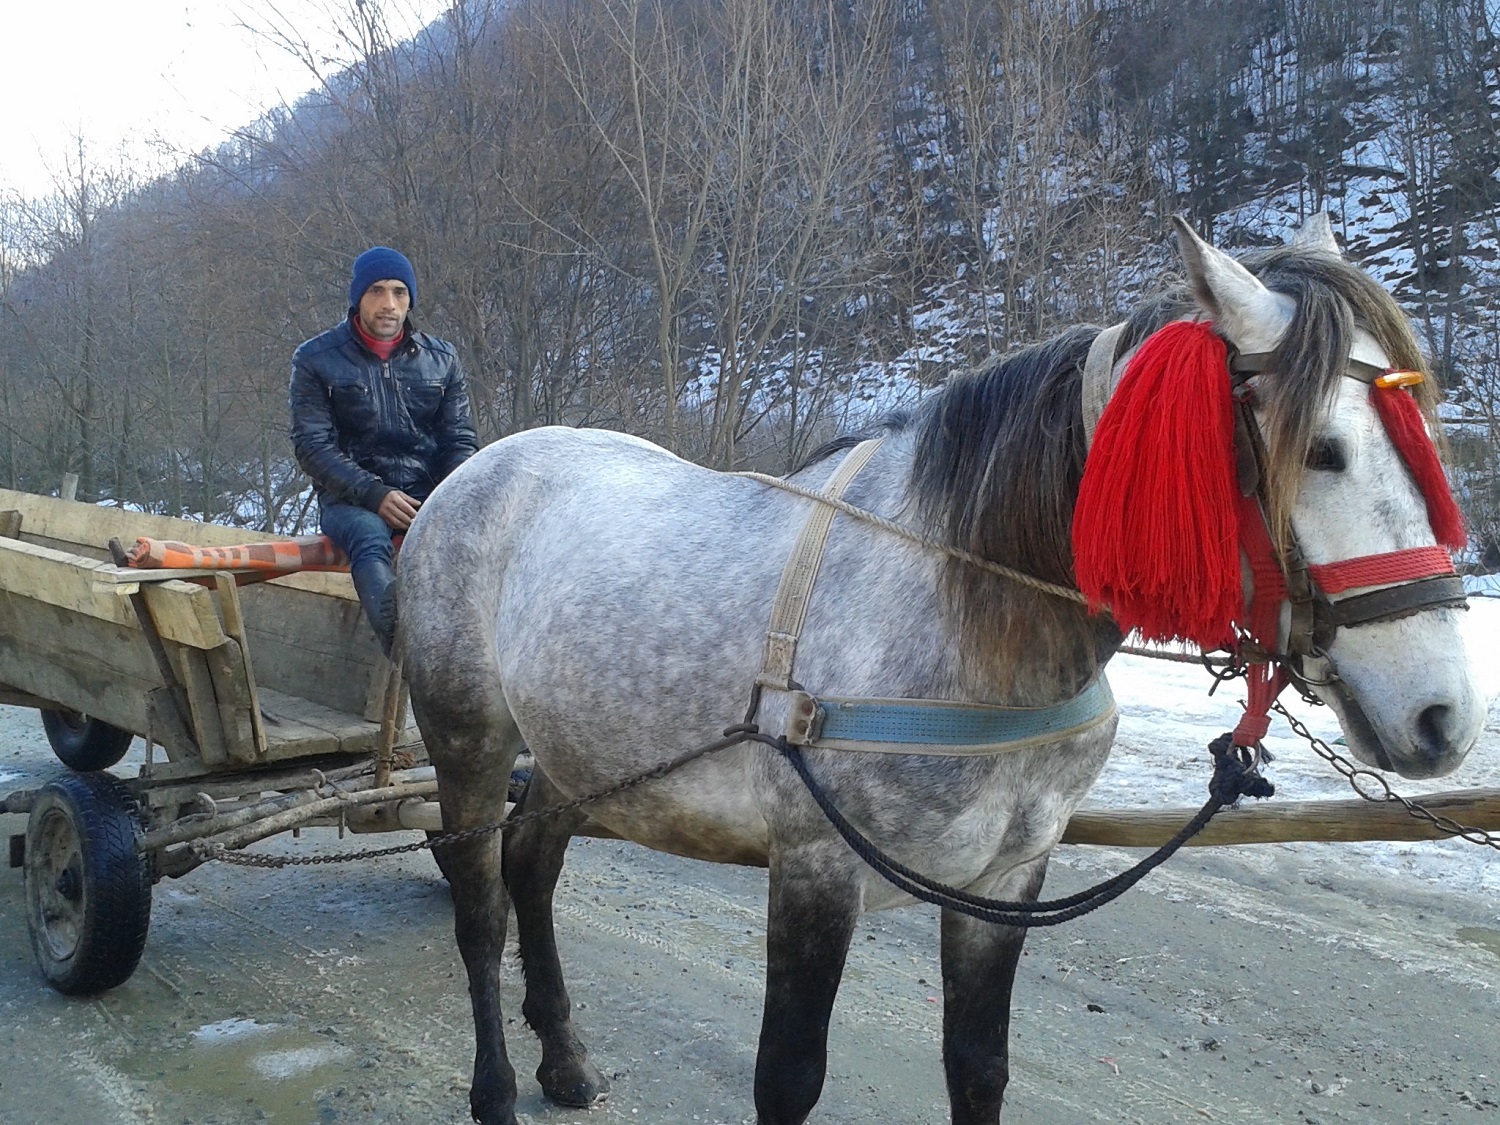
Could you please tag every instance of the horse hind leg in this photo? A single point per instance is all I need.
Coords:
(810, 921)
(532, 861)
(979, 971)
(473, 746)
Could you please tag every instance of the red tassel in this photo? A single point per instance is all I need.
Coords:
(1408, 432)
(1155, 531)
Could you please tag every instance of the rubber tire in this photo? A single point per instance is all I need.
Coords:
(88, 891)
(82, 743)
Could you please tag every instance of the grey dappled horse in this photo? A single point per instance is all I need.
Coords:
(606, 602)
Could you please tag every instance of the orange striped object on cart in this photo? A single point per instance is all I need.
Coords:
(306, 552)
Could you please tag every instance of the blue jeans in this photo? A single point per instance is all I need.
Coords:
(362, 534)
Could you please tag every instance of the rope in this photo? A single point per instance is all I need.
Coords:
(1067, 593)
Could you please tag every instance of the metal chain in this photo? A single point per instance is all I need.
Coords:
(1356, 775)
(1380, 790)
(733, 736)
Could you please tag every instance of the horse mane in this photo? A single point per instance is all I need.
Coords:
(1000, 453)
(999, 456)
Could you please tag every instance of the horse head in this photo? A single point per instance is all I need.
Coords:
(1291, 392)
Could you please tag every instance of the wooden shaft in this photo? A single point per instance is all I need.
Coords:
(1312, 821)
(295, 817)
(290, 808)
(390, 719)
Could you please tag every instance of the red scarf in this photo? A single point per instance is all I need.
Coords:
(383, 349)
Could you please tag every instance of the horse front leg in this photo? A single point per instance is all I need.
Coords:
(533, 860)
(979, 970)
(809, 924)
(473, 774)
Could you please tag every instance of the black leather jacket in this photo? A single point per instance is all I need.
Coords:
(362, 427)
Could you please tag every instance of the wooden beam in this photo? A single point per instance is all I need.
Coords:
(1270, 823)
(13, 697)
(234, 626)
(232, 694)
(69, 582)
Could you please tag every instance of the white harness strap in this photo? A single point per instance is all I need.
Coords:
(1099, 377)
(789, 611)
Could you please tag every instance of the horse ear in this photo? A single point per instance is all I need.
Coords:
(1246, 313)
(1316, 236)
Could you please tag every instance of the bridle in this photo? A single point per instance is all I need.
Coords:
(1413, 580)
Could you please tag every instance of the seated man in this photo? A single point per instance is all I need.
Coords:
(380, 415)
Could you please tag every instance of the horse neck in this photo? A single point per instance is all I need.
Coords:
(996, 463)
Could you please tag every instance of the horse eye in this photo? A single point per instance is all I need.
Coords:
(1326, 455)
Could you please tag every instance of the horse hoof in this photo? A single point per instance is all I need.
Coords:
(492, 1116)
(577, 1087)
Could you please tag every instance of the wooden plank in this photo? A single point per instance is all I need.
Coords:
(11, 697)
(234, 625)
(1330, 821)
(78, 686)
(182, 610)
(83, 663)
(68, 581)
(297, 727)
(203, 706)
(310, 645)
(93, 524)
(231, 684)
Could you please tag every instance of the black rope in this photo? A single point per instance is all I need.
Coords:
(1234, 777)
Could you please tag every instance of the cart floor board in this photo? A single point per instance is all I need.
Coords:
(297, 727)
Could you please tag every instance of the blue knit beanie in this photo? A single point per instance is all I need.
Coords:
(379, 263)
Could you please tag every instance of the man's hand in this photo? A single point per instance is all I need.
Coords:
(398, 509)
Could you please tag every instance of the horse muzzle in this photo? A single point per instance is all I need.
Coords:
(1420, 724)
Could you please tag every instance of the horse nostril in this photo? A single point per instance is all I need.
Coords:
(1434, 733)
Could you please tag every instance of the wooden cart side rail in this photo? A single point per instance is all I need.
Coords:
(184, 613)
(1295, 821)
(63, 523)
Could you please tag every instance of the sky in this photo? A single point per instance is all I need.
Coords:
(152, 82)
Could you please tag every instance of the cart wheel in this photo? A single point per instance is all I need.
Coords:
(88, 891)
(82, 743)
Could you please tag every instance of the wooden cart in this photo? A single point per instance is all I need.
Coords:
(270, 703)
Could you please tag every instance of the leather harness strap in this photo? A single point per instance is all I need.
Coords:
(896, 726)
(789, 611)
(1099, 377)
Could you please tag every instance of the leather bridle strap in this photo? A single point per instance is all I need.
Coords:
(1253, 363)
(1394, 602)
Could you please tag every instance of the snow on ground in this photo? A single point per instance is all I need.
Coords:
(1167, 719)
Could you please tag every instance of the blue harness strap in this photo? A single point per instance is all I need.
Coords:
(926, 726)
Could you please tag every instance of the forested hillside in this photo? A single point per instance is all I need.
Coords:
(732, 225)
